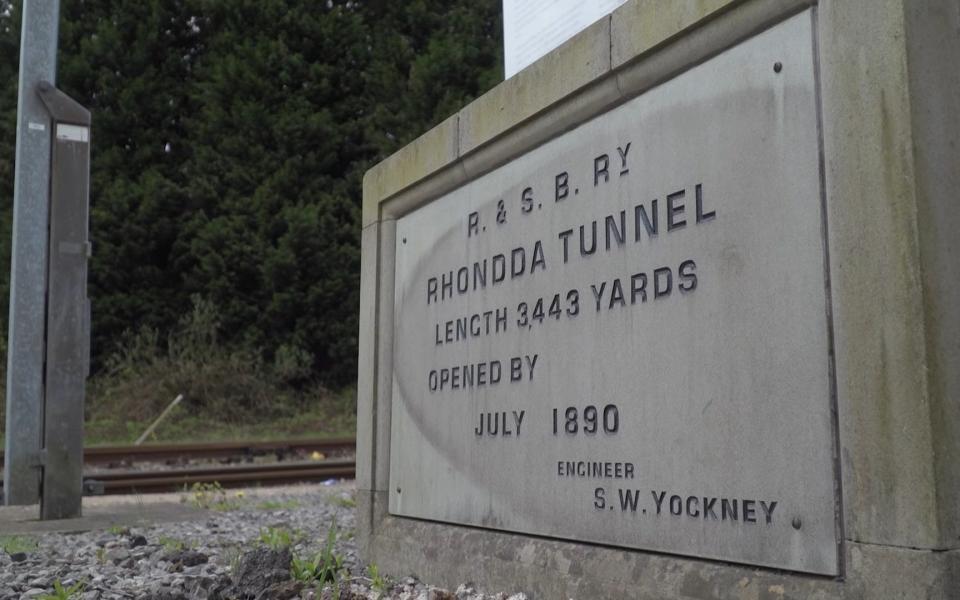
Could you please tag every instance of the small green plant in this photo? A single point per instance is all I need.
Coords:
(377, 581)
(119, 530)
(279, 537)
(278, 505)
(345, 501)
(212, 496)
(62, 593)
(11, 544)
(231, 557)
(324, 567)
(101, 555)
(172, 544)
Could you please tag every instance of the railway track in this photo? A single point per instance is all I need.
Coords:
(108, 467)
(116, 481)
(107, 455)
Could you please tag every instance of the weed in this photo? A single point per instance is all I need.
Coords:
(324, 567)
(173, 544)
(279, 537)
(119, 530)
(231, 556)
(62, 593)
(101, 555)
(278, 504)
(345, 501)
(212, 496)
(11, 544)
(377, 581)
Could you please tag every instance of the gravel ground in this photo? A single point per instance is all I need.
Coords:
(252, 545)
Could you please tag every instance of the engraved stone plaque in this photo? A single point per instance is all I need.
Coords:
(622, 337)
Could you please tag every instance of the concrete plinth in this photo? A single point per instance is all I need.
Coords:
(848, 415)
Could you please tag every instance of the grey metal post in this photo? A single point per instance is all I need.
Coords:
(28, 272)
(68, 310)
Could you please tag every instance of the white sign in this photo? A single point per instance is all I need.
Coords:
(532, 28)
(72, 133)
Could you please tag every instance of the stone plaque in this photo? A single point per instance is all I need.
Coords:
(622, 337)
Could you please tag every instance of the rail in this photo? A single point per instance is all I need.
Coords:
(98, 455)
(115, 481)
(107, 467)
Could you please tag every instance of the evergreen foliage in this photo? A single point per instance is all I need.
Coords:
(9, 65)
(229, 144)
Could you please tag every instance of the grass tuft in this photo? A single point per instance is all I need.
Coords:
(12, 544)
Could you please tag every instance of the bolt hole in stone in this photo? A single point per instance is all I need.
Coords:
(777, 67)
(404, 240)
(796, 522)
(398, 490)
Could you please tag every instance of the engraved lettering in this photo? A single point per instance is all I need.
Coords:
(601, 165)
(768, 510)
(597, 294)
(564, 237)
(623, 151)
(640, 218)
(687, 276)
(749, 511)
(561, 189)
(728, 509)
(674, 210)
(638, 287)
(676, 505)
(538, 259)
(658, 499)
(702, 216)
(473, 223)
(584, 251)
(662, 282)
(599, 502)
(708, 504)
(617, 233)
(629, 500)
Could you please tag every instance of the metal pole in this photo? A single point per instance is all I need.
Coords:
(28, 271)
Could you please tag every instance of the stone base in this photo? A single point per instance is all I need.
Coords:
(543, 568)
(888, 103)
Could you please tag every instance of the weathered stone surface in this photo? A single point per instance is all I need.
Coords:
(579, 61)
(261, 568)
(887, 114)
(634, 32)
(892, 376)
(556, 569)
(933, 48)
(185, 558)
(281, 591)
(429, 153)
(366, 386)
(117, 555)
(628, 309)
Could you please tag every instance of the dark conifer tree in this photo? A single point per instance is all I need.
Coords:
(229, 145)
(9, 61)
